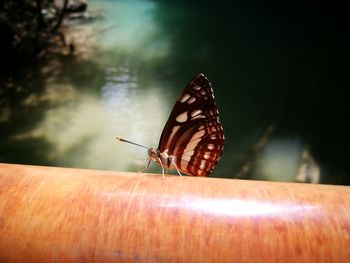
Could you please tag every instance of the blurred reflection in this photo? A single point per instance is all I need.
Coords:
(309, 170)
(279, 160)
(134, 113)
(224, 207)
(82, 131)
(135, 30)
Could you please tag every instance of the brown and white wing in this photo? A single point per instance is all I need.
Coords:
(193, 134)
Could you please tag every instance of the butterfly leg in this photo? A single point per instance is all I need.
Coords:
(161, 164)
(177, 169)
(149, 161)
(163, 174)
(174, 164)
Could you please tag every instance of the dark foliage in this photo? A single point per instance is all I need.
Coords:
(26, 28)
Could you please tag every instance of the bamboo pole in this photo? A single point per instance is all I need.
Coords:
(50, 214)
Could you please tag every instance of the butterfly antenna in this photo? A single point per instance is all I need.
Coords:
(123, 140)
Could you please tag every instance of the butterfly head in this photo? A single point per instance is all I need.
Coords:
(154, 154)
(161, 158)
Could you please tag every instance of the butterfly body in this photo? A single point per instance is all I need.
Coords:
(193, 139)
(162, 158)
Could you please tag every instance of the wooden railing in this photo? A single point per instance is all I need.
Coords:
(50, 214)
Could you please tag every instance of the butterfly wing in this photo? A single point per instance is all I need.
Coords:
(193, 135)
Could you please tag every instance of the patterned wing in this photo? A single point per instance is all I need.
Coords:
(193, 135)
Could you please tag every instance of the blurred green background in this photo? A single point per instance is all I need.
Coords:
(279, 71)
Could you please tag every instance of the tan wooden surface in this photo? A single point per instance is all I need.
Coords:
(73, 215)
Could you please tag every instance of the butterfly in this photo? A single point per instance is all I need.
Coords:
(192, 140)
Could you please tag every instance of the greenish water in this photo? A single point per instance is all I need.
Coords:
(267, 69)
